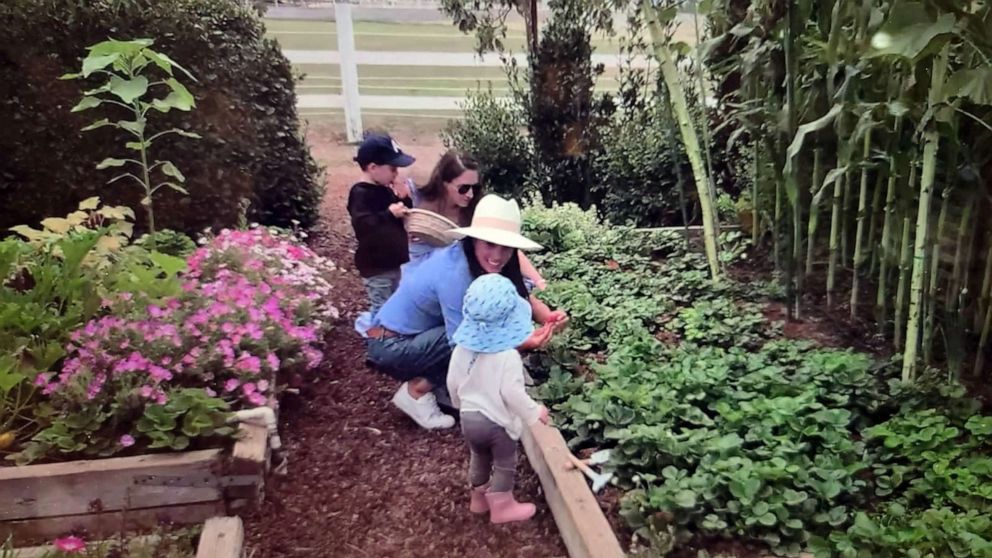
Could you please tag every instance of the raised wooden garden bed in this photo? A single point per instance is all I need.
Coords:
(580, 520)
(222, 537)
(105, 496)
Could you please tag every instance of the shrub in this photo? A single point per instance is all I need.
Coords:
(637, 172)
(251, 147)
(492, 131)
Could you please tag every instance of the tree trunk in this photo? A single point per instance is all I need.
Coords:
(862, 214)
(881, 300)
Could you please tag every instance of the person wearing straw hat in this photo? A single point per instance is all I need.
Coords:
(412, 334)
(486, 383)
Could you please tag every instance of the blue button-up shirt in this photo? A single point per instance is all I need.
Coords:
(430, 294)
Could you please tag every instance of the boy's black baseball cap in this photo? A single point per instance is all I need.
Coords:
(382, 150)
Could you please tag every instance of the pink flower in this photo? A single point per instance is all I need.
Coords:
(147, 392)
(231, 385)
(41, 380)
(127, 440)
(257, 399)
(70, 544)
(248, 388)
(273, 361)
(210, 392)
(263, 385)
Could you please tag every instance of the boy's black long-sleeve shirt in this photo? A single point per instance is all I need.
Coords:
(382, 238)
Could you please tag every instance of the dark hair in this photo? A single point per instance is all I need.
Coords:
(452, 165)
(511, 270)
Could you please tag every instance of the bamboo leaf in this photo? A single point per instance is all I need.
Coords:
(909, 32)
(974, 84)
(110, 162)
(832, 177)
(797, 142)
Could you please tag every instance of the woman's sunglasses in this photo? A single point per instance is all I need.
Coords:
(464, 188)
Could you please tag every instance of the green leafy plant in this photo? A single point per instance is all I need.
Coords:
(167, 241)
(126, 68)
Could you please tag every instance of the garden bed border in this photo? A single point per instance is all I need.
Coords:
(581, 522)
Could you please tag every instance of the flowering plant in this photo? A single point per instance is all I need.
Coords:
(253, 309)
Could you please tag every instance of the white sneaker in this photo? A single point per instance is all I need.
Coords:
(423, 411)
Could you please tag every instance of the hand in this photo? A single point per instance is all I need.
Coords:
(539, 339)
(401, 188)
(398, 210)
(544, 417)
(558, 320)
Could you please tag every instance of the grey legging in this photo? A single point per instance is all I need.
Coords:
(493, 452)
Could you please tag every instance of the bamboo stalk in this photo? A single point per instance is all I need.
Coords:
(930, 145)
(777, 227)
(959, 254)
(755, 219)
(844, 218)
(904, 271)
(876, 200)
(814, 210)
(987, 326)
(931, 300)
(834, 240)
(881, 299)
(862, 214)
(689, 138)
(983, 301)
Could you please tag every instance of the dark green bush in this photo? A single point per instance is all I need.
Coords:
(493, 132)
(246, 112)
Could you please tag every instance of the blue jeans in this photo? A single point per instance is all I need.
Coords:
(380, 288)
(406, 357)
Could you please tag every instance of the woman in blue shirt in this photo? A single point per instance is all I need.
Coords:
(411, 337)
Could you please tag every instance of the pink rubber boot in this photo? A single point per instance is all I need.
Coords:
(478, 503)
(504, 509)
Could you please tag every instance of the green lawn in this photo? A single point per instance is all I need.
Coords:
(380, 36)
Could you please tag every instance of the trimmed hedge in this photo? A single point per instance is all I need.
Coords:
(246, 112)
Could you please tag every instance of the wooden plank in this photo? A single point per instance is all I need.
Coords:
(40, 530)
(250, 455)
(80, 487)
(580, 520)
(222, 537)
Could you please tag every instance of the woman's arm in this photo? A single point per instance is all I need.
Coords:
(529, 271)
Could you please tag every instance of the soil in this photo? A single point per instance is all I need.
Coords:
(363, 479)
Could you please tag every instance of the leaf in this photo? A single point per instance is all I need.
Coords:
(163, 61)
(98, 124)
(128, 90)
(57, 224)
(93, 62)
(86, 103)
(685, 499)
(797, 142)
(180, 98)
(136, 145)
(186, 134)
(177, 188)
(89, 203)
(974, 84)
(171, 265)
(111, 162)
(170, 170)
(767, 519)
(909, 31)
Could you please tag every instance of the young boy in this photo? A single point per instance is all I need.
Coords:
(377, 205)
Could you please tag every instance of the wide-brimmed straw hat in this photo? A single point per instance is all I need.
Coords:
(495, 318)
(498, 221)
(430, 227)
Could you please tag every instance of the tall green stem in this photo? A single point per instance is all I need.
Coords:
(834, 239)
(689, 138)
(881, 300)
(814, 210)
(862, 214)
(905, 267)
(930, 145)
